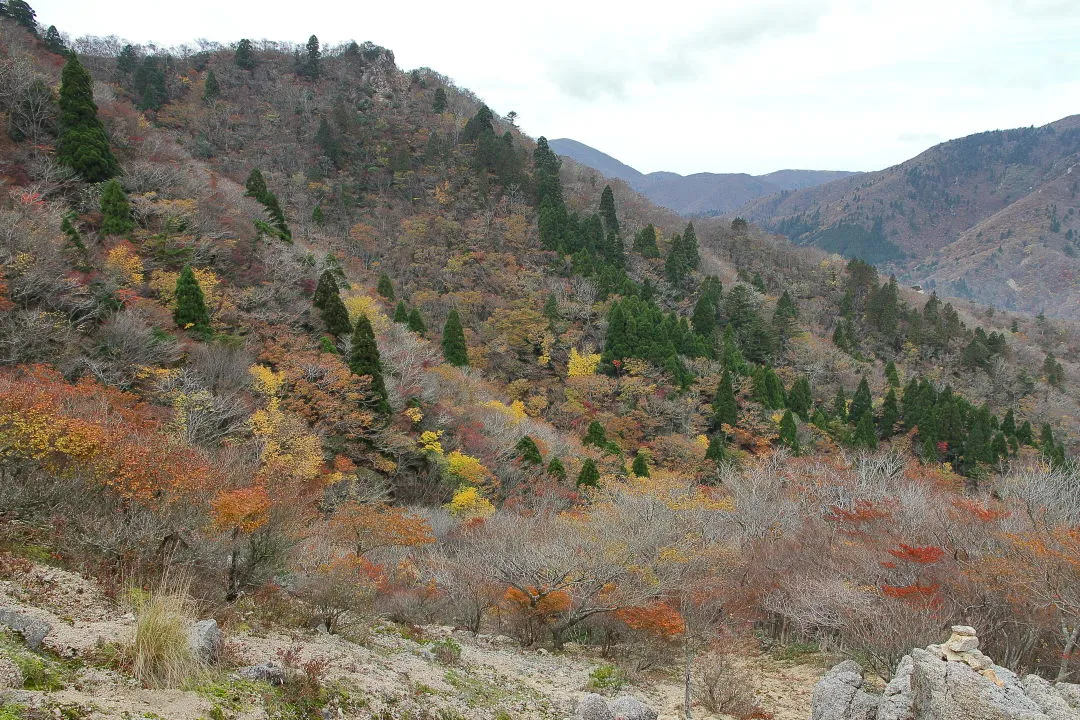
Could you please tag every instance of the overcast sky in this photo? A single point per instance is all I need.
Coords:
(747, 86)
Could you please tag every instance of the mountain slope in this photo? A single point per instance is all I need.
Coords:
(700, 193)
(991, 217)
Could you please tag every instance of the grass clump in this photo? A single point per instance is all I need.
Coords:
(161, 654)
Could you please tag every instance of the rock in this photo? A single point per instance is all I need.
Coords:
(11, 677)
(268, 671)
(593, 707)
(962, 643)
(944, 689)
(895, 703)
(207, 641)
(1046, 696)
(1070, 692)
(32, 629)
(963, 630)
(626, 707)
(839, 695)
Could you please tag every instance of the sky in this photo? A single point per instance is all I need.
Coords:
(748, 86)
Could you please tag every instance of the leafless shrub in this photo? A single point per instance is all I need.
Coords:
(723, 688)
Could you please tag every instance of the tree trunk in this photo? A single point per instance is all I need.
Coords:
(688, 695)
(1070, 644)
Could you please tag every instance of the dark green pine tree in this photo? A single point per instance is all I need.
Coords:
(758, 283)
(416, 323)
(1008, 424)
(21, 12)
(327, 299)
(676, 267)
(607, 210)
(551, 308)
(717, 450)
(645, 242)
(839, 405)
(385, 287)
(999, 448)
(1025, 435)
(453, 341)
(785, 317)
(83, 145)
(595, 435)
(589, 475)
(1053, 451)
(116, 210)
(401, 313)
(768, 390)
(891, 375)
(245, 55)
(704, 317)
(438, 105)
(732, 356)
(308, 64)
(54, 43)
(725, 407)
(556, 469)
(1055, 373)
(190, 311)
(640, 466)
(865, 436)
(861, 403)
(364, 360)
(551, 208)
(528, 452)
(890, 414)
(211, 88)
(690, 247)
(800, 399)
(256, 185)
(789, 434)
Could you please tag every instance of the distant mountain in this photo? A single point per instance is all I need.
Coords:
(700, 193)
(992, 217)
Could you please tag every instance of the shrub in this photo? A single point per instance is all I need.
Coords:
(446, 651)
(723, 688)
(161, 654)
(607, 677)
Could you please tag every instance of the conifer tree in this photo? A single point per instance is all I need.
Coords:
(385, 287)
(529, 452)
(211, 87)
(717, 450)
(83, 145)
(257, 188)
(704, 317)
(865, 436)
(551, 208)
(725, 407)
(1055, 373)
(364, 360)
(589, 475)
(551, 308)
(1000, 447)
(861, 403)
(401, 313)
(327, 299)
(690, 247)
(732, 358)
(789, 434)
(640, 466)
(891, 375)
(21, 12)
(1008, 424)
(453, 341)
(308, 64)
(1025, 435)
(556, 469)
(190, 311)
(800, 398)
(758, 283)
(890, 414)
(784, 317)
(116, 210)
(416, 323)
(839, 405)
(54, 42)
(645, 242)
(439, 104)
(607, 210)
(245, 55)
(595, 435)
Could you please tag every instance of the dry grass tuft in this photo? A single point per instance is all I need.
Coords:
(161, 655)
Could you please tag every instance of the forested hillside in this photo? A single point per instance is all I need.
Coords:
(991, 217)
(339, 340)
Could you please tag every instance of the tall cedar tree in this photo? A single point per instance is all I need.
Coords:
(529, 452)
(589, 475)
(717, 450)
(401, 313)
(704, 317)
(556, 469)
(364, 360)
(891, 375)
(54, 42)
(245, 55)
(416, 323)
(83, 145)
(800, 398)
(385, 287)
(839, 405)
(645, 242)
(21, 12)
(211, 87)
(890, 414)
(439, 104)
(784, 317)
(190, 311)
(861, 403)
(257, 188)
(725, 407)
(607, 210)
(453, 341)
(789, 434)
(116, 210)
(864, 433)
(640, 466)
(328, 300)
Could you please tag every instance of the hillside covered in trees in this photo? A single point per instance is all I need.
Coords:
(337, 339)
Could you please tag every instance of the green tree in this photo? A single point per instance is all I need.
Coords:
(690, 247)
(891, 375)
(385, 287)
(1025, 435)
(556, 469)
(529, 452)
(890, 414)
(589, 475)
(725, 407)
(83, 145)
(439, 104)
(551, 308)
(364, 360)
(190, 311)
(717, 450)
(865, 437)
(416, 323)
(645, 242)
(211, 87)
(453, 341)
(1008, 424)
(800, 399)
(21, 12)
(401, 313)
(54, 42)
(244, 57)
(839, 405)
(1055, 373)
(640, 466)
(785, 317)
(257, 188)
(758, 283)
(595, 435)
(789, 434)
(704, 317)
(327, 299)
(308, 63)
(607, 210)
(115, 210)
(861, 403)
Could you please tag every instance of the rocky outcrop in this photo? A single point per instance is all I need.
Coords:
(32, 629)
(207, 641)
(951, 681)
(11, 677)
(593, 707)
